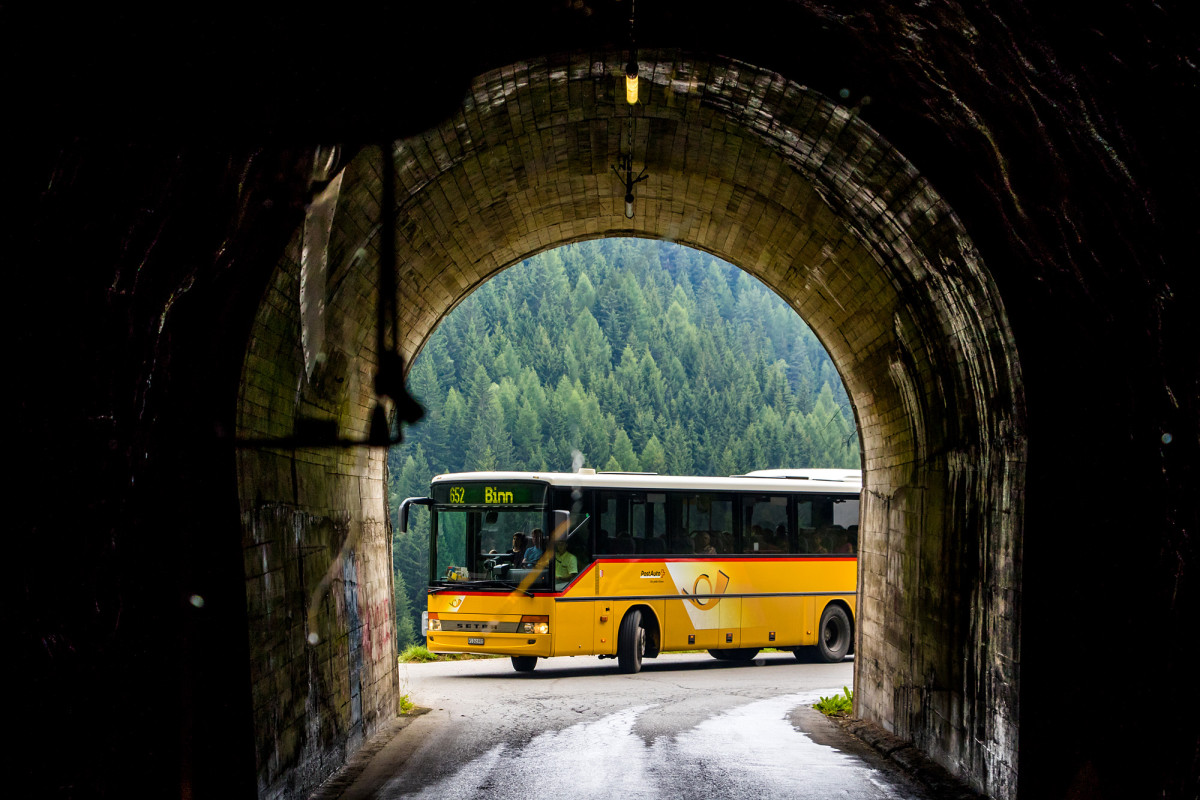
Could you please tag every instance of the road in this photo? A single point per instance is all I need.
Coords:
(686, 726)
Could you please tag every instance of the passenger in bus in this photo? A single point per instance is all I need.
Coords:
(518, 548)
(534, 551)
(780, 540)
(704, 544)
(846, 547)
(760, 539)
(724, 543)
(679, 541)
(824, 540)
(566, 566)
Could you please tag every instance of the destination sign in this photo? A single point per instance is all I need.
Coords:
(490, 494)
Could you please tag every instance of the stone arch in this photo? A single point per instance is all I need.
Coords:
(761, 172)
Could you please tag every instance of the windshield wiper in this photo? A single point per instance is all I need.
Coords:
(481, 584)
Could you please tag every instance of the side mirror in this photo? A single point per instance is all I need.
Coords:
(408, 501)
(562, 523)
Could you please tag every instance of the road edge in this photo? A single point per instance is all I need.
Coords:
(342, 779)
(933, 776)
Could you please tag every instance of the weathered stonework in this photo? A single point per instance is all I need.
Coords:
(317, 543)
(803, 195)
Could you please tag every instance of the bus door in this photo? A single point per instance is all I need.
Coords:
(571, 540)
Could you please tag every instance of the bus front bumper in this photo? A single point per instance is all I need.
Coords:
(504, 644)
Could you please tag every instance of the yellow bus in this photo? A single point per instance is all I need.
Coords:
(627, 565)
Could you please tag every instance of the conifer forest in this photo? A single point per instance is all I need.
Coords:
(621, 355)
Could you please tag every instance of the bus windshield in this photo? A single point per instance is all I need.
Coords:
(489, 536)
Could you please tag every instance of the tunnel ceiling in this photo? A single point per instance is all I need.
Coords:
(740, 162)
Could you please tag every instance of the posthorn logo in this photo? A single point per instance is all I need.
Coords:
(706, 588)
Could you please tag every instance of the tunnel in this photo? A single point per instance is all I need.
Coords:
(967, 208)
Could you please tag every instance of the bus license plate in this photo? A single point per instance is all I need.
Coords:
(475, 640)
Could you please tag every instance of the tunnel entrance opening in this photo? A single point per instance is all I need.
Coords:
(742, 164)
(615, 355)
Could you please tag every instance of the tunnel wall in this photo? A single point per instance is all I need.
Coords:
(803, 195)
(316, 537)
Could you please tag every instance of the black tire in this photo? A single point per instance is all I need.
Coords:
(524, 663)
(735, 654)
(631, 643)
(833, 637)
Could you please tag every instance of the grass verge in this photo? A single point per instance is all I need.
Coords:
(418, 654)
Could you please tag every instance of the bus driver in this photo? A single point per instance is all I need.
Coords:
(566, 566)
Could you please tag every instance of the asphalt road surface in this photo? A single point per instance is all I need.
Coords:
(686, 726)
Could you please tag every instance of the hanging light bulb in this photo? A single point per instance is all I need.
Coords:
(631, 68)
(629, 204)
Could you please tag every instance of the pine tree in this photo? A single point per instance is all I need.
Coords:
(678, 451)
(584, 296)
(623, 453)
(653, 458)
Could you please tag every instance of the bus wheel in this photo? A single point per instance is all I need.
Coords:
(524, 663)
(833, 641)
(631, 643)
(734, 654)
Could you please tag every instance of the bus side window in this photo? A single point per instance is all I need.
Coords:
(765, 524)
(845, 516)
(705, 524)
(654, 539)
(828, 525)
(617, 512)
(805, 527)
(607, 523)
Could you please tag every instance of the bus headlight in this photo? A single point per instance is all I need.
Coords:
(431, 622)
(535, 624)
